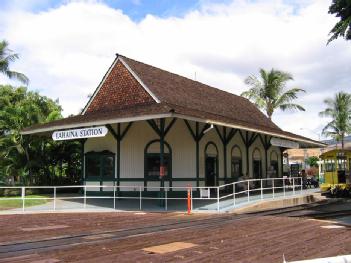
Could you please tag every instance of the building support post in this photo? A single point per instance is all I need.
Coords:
(118, 157)
(119, 135)
(225, 143)
(197, 136)
(247, 154)
(162, 167)
(281, 161)
(197, 145)
(82, 143)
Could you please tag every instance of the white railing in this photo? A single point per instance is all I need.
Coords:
(216, 198)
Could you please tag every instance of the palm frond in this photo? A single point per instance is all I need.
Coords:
(19, 76)
(291, 106)
(288, 96)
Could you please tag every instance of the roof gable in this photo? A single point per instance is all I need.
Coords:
(120, 88)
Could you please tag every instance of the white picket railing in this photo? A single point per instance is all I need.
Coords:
(216, 198)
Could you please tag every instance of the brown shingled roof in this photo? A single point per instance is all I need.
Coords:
(177, 95)
(177, 90)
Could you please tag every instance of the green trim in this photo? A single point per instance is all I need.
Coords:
(155, 194)
(141, 179)
(124, 132)
(169, 126)
(195, 136)
(153, 125)
(82, 159)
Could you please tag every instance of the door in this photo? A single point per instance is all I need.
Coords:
(257, 169)
(211, 170)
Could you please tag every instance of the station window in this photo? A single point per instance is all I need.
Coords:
(152, 160)
(152, 165)
(100, 165)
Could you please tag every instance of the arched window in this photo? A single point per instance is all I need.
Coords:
(257, 163)
(237, 162)
(273, 169)
(152, 160)
(211, 164)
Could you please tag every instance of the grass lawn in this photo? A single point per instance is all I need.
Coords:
(8, 203)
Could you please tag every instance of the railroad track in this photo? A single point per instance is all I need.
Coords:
(29, 247)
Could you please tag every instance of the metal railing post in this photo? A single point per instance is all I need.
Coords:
(114, 196)
(55, 198)
(191, 197)
(248, 191)
(301, 184)
(273, 188)
(140, 198)
(23, 194)
(284, 186)
(218, 199)
(261, 189)
(85, 196)
(293, 186)
(166, 201)
(234, 194)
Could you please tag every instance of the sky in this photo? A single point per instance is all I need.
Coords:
(66, 47)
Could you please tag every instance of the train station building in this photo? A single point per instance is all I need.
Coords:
(144, 126)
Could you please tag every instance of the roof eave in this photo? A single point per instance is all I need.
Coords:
(95, 123)
(167, 115)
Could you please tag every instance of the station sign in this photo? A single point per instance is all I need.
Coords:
(90, 132)
(284, 143)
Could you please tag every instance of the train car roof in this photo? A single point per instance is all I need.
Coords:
(335, 151)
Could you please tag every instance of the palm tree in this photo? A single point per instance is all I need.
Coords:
(339, 110)
(6, 57)
(268, 92)
(341, 9)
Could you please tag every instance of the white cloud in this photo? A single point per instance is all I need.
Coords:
(66, 50)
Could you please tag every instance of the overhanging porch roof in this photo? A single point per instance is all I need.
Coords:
(162, 110)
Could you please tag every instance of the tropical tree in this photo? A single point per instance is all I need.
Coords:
(268, 92)
(19, 109)
(7, 56)
(339, 110)
(312, 161)
(342, 9)
(34, 159)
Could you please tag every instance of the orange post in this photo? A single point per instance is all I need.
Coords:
(189, 200)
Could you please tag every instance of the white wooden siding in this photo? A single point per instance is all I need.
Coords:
(183, 152)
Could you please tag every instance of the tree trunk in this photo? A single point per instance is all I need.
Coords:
(342, 141)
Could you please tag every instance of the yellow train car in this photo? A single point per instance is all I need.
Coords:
(335, 171)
